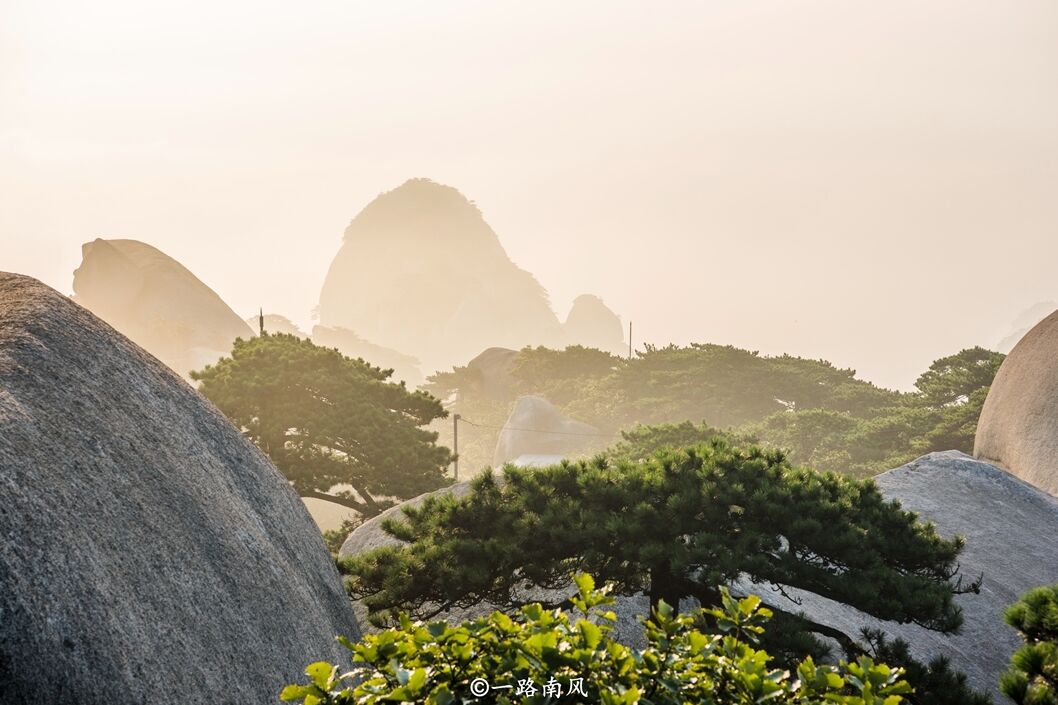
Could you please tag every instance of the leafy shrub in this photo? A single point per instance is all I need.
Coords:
(436, 664)
(1033, 675)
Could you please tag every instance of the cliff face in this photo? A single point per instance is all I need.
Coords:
(150, 552)
(157, 302)
(420, 271)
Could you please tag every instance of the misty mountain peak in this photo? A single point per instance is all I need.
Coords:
(422, 272)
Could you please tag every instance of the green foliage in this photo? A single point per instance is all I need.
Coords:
(1033, 675)
(955, 426)
(837, 442)
(936, 683)
(328, 420)
(952, 379)
(725, 386)
(561, 376)
(641, 442)
(824, 416)
(674, 525)
(334, 538)
(941, 416)
(436, 663)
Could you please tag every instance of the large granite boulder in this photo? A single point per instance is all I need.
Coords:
(592, 324)
(1018, 427)
(149, 553)
(537, 427)
(1011, 532)
(157, 302)
(420, 271)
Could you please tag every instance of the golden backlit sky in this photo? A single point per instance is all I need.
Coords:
(873, 183)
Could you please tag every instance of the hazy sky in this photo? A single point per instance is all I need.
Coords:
(873, 183)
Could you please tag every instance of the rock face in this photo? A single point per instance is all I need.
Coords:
(149, 552)
(591, 324)
(420, 271)
(1011, 532)
(157, 302)
(492, 373)
(1018, 427)
(536, 427)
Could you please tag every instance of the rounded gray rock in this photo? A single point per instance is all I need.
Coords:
(149, 552)
(537, 428)
(1011, 533)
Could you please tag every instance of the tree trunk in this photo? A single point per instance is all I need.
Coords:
(343, 501)
(664, 585)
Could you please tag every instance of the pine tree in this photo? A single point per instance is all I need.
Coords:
(675, 525)
(1033, 675)
(326, 420)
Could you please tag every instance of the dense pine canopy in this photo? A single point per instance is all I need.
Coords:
(327, 420)
(675, 525)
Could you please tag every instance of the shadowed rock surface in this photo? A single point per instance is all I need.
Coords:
(1018, 427)
(537, 427)
(1011, 532)
(150, 553)
(157, 302)
(592, 324)
(420, 271)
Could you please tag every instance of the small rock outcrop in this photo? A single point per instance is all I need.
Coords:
(1011, 532)
(149, 553)
(592, 324)
(420, 271)
(157, 302)
(492, 374)
(537, 427)
(1018, 426)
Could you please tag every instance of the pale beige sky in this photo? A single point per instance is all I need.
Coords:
(869, 182)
